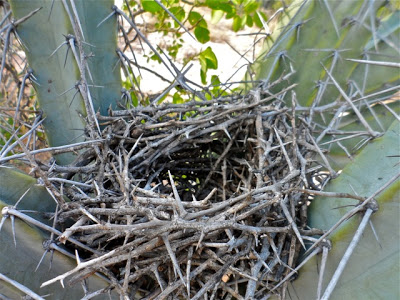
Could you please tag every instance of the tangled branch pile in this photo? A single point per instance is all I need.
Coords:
(183, 200)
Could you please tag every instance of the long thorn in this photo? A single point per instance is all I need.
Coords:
(106, 18)
(13, 230)
(347, 255)
(5, 49)
(332, 17)
(376, 63)
(40, 261)
(325, 250)
(175, 263)
(77, 17)
(355, 109)
(20, 287)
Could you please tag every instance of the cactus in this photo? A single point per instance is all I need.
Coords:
(373, 266)
(343, 58)
(21, 244)
(330, 48)
(55, 64)
(55, 76)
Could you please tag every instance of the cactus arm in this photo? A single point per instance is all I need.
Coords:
(372, 271)
(103, 62)
(376, 164)
(62, 104)
(14, 184)
(29, 250)
(379, 121)
(325, 34)
(28, 253)
(311, 40)
(63, 113)
(370, 78)
(56, 75)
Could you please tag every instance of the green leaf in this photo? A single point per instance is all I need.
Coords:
(197, 19)
(249, 21)
(216, 16)
(179, 13)
(151, 6)
(251, 7)
(223, 5)
(210, 58)
(215, 81)
(203, 76)
(177, 98)
(226, 7)
(155, 57)
(257, 20)
(135, 99)
(203, 63)
(202, 34)
(216, 89)
(231, 15)
(237, 23)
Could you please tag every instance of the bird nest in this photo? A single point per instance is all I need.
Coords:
(179, 201)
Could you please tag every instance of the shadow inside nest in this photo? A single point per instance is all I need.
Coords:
(196, 198)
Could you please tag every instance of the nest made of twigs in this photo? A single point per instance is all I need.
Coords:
(203, 197)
